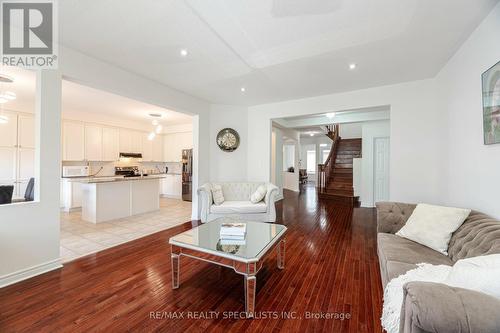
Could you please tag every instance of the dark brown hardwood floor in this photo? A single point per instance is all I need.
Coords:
(331, 270)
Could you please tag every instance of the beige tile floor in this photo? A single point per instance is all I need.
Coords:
(79, 238)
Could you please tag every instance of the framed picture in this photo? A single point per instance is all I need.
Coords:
(491, 104)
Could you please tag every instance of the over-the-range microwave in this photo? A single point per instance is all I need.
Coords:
(75, 171)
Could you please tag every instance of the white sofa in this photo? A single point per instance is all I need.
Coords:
(237, 202)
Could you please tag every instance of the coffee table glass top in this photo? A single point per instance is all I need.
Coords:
(205, 238)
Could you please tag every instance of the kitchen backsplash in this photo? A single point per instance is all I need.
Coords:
(108, 168)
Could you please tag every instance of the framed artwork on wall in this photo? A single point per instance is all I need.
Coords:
(491, 104)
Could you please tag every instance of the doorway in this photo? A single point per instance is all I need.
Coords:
(381, 169)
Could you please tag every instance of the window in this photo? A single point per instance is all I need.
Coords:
(311, 161)
(325, 154)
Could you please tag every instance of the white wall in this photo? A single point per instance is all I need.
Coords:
(226, 166)
(473, 170)
(370, 131)
(29, 232)
(351, 130)
(416, 124)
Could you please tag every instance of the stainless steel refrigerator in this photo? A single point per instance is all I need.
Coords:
(187, 174)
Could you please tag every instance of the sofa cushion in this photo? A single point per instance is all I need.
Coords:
(395, 248)
(433, 226)
(239, 191)
(479, 235)
(239, 207)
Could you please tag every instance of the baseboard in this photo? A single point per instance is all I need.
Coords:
(171, 196)
(29, 272)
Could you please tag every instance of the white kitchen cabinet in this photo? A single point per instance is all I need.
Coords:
(26, 168)
(174, 143)
(147, 148)
(72, 195)
(125, 141)
(136, 141)
(8, 131)
(8, 165)
(110, 144)
(172, 186)
(73, 141)
(26, 131)
(93, 142)
(158, 149)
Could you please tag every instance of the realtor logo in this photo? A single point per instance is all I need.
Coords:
(29, 34)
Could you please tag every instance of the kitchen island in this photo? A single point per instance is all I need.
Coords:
(114, 198)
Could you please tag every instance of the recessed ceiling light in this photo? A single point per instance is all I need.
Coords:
(311, 134)
(243, 89)
(155, 115)
(151, 136)
(352, 66)
(331, 115)
(184, 52)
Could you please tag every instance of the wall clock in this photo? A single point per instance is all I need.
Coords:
(228, 139)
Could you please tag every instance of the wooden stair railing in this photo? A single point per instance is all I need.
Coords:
(325, 170)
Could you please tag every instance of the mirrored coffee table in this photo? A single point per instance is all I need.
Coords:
(244, 257)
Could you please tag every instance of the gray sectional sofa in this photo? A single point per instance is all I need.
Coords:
(435, 307)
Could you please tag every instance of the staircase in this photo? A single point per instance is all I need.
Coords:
(335, 176)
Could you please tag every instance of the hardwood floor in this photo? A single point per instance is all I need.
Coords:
(331, 269)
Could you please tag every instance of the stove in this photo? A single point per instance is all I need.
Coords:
(131, 171)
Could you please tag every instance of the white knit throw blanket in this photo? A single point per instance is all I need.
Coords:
(393, 293)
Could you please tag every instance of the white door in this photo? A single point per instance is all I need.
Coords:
(73, 141)
(93, 143)
(110, 144)
(381, 170)
(26, 132)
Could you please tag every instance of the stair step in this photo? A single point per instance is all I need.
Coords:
(343, 165)
(342, 171)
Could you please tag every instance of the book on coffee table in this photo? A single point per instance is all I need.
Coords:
(235, 231)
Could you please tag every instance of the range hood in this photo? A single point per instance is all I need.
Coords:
(135, 156)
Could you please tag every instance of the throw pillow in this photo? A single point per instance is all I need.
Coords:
(259, 194)
(217, 194)
(433, 226)
(478, 273)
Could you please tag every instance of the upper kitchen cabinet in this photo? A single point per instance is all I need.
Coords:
(136, 141)
(125, 141)
(174, 143)
(147, 148)
(110, 144)
(93, 142)
(8, 134)
(158, 149)
(26, 131)
(73, 141)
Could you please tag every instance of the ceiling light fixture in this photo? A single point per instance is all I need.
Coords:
(6, 78)
(243, 89)
(330, 115)
(311, 134)
(352, 66)
(159, 128)
(4, 119)
(154, 122)
(151, 136)
(184, 52)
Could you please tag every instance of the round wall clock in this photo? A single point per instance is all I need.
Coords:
(228, 139)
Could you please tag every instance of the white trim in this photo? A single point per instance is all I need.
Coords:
(29, 272)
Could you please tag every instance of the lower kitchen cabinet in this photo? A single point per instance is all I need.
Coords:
(71, 195)
(171, 186)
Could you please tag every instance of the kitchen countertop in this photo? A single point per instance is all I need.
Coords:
(113, 178)
(98, 180)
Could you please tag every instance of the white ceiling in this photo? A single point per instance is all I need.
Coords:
(77, 98)
(276, 49)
